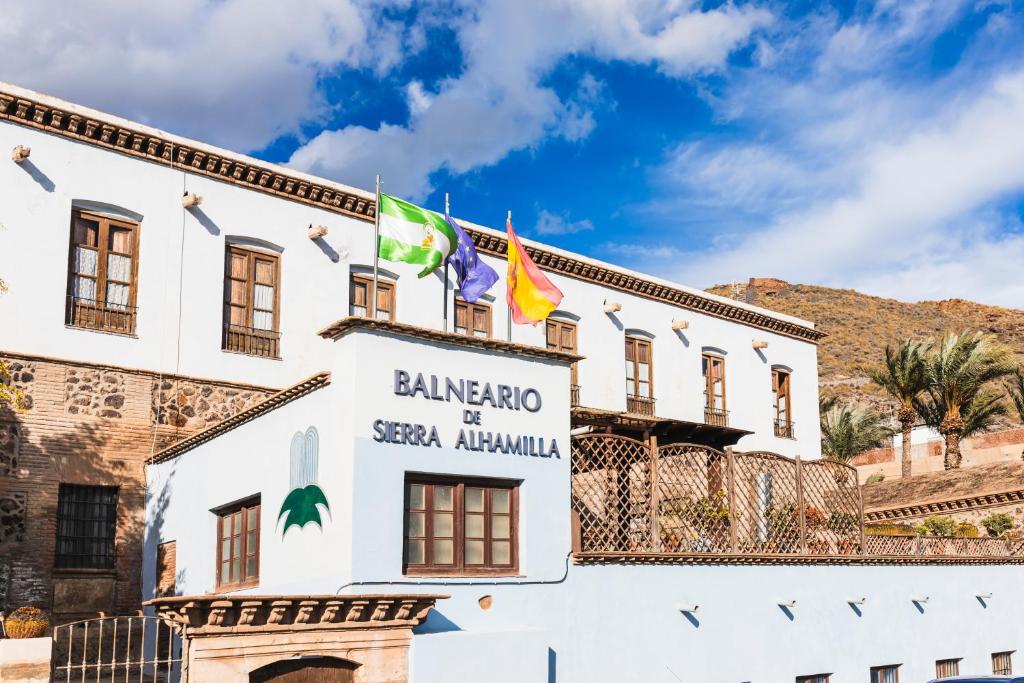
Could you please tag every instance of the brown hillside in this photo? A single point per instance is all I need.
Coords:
(859, 325)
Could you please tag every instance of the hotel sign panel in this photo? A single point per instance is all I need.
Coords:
(476, 398)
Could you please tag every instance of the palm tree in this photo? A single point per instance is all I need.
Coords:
(904, 378)
(848, 429)
(1015, 388)
(959, 400)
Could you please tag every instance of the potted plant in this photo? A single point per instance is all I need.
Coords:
(26, 622)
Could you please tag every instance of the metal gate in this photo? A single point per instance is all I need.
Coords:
(117, 650)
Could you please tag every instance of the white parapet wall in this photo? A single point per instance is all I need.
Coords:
(25, 660)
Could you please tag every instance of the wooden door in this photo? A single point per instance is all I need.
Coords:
(305, 670)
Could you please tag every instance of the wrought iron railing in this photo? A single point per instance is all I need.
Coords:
(630, 500)
(252, 341)
(639, 405)
(716, 417)
(783, 429)
(99, 315)
(574, 394)
(131, 649)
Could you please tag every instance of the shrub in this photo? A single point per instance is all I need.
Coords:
(888, 529)
(843, 522)
(875, 478)
(26, 622)
(936, 525)
(998, 523)
(966, 530)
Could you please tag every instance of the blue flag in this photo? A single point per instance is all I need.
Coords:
(474, 276)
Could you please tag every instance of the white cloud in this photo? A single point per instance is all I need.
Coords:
(916, 220)
(497, 105)
(236, 73)
(559, 224)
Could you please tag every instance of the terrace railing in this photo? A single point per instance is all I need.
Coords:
(639, 405)
(686, 500)
(716, 417)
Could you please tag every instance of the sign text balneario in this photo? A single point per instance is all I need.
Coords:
(467, 392)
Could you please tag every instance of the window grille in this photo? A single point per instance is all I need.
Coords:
(885, 674)
(1002, 663)
(86, 526)
(947, 667)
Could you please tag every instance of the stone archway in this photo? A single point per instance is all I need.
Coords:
(305, 670)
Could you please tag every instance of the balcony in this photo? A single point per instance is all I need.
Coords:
(574, 395)
(639, 405)
(716, 417)
(90, 314)
(784, 429)
(251, 341)
(692, 503)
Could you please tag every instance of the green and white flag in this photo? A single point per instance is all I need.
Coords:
(414, 235)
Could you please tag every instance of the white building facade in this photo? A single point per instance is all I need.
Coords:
(632, 491)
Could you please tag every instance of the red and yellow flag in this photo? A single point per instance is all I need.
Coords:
(530, 296)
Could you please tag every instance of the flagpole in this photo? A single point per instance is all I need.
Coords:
(444, 293)
(376, 252)
(509, 219)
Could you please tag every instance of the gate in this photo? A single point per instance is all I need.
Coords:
(127, 649)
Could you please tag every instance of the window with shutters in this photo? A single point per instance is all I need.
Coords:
(639, 376)
(781, 403)
(238, 545)
(251, 295)
(460, 526)
(947, 667)
(472, 320)
(885, 674)
(86, 526)
(561, 336)
(102, 273)
(166, 569)
(713, 370)
(360, 289)
(816, 678)
(1002, 663)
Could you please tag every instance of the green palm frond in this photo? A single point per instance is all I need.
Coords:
(1015, 389)
(301, 509)
(959, 372)
(847, 430)
(904, 375)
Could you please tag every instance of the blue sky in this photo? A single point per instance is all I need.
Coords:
(874, 145)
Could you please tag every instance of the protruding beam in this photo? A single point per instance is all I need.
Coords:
(20, 153)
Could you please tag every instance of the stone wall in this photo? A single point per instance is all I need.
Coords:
(967, 494)
(89, 424)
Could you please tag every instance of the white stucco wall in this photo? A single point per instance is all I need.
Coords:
(553, 621)
(180, 289)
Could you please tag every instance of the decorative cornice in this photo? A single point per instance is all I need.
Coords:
(346, 325)
(648, 289)
(306, 386)
(218, 614)
(153, 145)
(979, 502)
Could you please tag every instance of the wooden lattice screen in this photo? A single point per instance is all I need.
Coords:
(694, 499)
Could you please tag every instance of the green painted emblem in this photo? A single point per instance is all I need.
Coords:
(302, 505)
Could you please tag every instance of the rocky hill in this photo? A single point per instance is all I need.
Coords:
(859, 325)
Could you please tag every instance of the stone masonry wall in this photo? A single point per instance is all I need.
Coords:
(95, 425)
